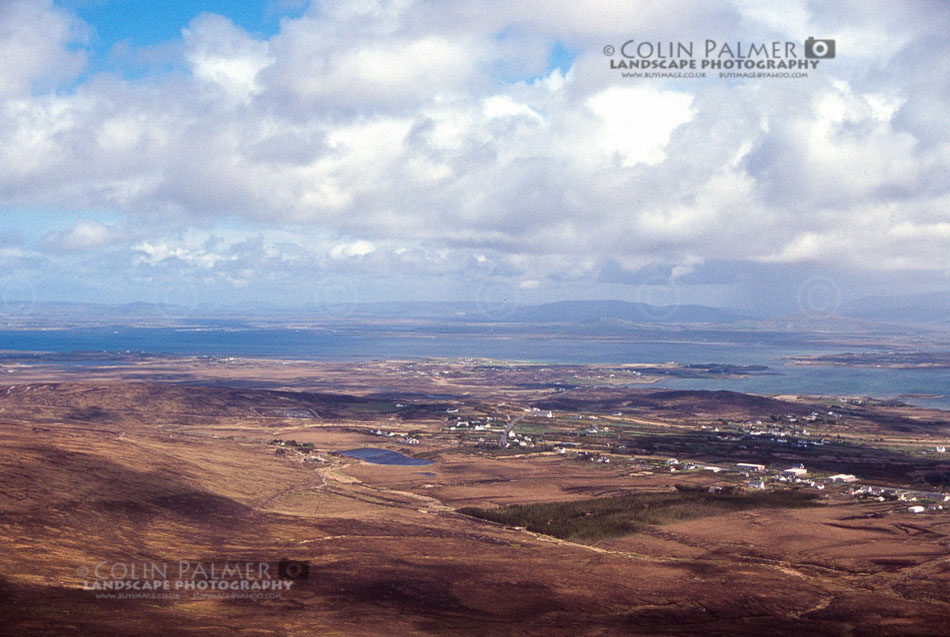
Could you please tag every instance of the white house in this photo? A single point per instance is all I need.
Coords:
(842, 477)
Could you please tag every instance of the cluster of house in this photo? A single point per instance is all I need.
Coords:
(796, 475)
(784, 436)
(673, 465)
(404, 438)
(594, 430)
(508, 441)
(537, 411)
(787, 434)
(587, 456)
(487, 424)
(472, 425)
(792, 475)
(932, 498)
(507, 437)
(516, 439)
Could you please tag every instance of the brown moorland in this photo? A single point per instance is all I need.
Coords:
(114, 467)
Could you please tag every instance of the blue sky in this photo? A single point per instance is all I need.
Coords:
(141, 24)
(118, 27)
(149, 23)
(279, 152)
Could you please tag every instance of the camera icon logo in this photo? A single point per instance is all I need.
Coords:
(819, 49)
(293, 569)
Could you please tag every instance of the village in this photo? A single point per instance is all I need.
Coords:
(508, 431)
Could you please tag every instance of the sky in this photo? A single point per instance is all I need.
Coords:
(288, 153)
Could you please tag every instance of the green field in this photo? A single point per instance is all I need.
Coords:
(601, 518)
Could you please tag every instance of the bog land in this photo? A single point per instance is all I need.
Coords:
(134, 494)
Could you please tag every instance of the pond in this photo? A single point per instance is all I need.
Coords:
(385, 456)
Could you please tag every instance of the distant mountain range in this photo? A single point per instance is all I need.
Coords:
(928, 308)
(610, 311)
(931, 310)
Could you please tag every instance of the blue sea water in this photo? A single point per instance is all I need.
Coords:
(348, 344)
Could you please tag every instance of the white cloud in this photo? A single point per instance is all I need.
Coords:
(355, 249)
(434, 135)
(36, 41)
(82, 236)
(223, 54)
(505, 106)
(637, 122)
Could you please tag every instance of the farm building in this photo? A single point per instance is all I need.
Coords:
(842, 477)
(748, 466)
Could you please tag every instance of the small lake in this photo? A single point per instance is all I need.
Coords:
(385, 456)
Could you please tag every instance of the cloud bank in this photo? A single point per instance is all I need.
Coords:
(403, 149)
